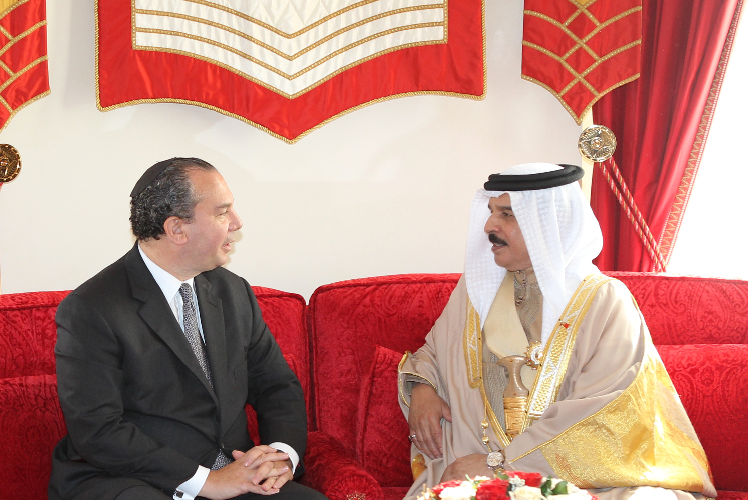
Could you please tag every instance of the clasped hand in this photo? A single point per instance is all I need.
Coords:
(424, 419)
(262, 470)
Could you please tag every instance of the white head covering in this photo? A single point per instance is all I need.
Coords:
(562, 237)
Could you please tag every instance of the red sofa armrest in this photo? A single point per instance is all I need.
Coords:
(330, 469)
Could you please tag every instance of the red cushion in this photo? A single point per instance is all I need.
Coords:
(285, 315)
(712, 381)
(333, 471)
(28, 333)
(348, 319)
(32, 424)
(732, 495)
(383, 447)
(690, 310)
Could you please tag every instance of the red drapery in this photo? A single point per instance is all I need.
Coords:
(661, 121)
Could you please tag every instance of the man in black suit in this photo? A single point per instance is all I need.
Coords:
(158, 354)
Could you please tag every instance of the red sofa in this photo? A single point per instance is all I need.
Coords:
(345, 346)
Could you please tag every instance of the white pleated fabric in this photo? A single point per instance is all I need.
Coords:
(562, 237)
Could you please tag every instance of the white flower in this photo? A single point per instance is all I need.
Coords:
(526, 493)
(516, 482)
(462, 492)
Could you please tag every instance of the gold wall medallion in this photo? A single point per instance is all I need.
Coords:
(10, 163)
(597, 143)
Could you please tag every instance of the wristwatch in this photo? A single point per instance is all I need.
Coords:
(495, 461)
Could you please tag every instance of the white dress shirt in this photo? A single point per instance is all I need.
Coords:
(169, 286)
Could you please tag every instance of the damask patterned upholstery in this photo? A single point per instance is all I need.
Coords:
(684, 310)
(28, 333)
(31, 424)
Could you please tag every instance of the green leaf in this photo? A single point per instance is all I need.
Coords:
(561, 488)
(545, 488)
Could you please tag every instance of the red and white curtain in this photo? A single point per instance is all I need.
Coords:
(661, 122)
(24, 76)
(286, 66)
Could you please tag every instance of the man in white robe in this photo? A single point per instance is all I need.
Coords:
(600, 412)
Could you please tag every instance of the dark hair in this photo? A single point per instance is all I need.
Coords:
(170, 194)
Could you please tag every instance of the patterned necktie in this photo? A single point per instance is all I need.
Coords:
(192, 332)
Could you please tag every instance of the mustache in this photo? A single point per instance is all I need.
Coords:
(496, 240)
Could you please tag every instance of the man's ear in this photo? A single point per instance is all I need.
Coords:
(174, 229)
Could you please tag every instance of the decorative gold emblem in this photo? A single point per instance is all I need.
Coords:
(597, 143)
(10, 163)
(534, 355)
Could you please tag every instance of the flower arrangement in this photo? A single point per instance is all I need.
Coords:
(507, 486)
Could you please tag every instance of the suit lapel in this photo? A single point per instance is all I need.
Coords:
(157, 314)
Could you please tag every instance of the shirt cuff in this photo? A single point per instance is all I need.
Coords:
(189, 489)
(283, 447)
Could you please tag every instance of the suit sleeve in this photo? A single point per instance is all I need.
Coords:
(90, 387)
(274, 390)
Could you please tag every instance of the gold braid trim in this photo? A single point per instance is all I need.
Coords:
(6, 6)
(400, 372)
(558, 348)
(278, 52)
(280, 73)
(473, 347)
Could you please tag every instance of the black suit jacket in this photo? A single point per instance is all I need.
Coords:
(136, 403)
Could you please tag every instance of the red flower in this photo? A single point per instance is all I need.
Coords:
(449, 484)
(493, 489)
(533, 479)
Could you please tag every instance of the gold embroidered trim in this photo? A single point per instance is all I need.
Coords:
(578, 118)
(6, 68)
(471, 341)
(273, 28)
(473, 348)
(284, 55)
(19, 108)
(267, 130)
(11, 7)
(674, 471)
(22, 35)
(14, 76)
(559, 347)
(400, 372)
(581, 43)
(274, 69)
(672, 225)
(581, 76)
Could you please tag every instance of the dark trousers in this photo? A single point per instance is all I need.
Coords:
(138, 490)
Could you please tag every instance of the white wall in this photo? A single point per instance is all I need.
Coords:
(383, 190)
